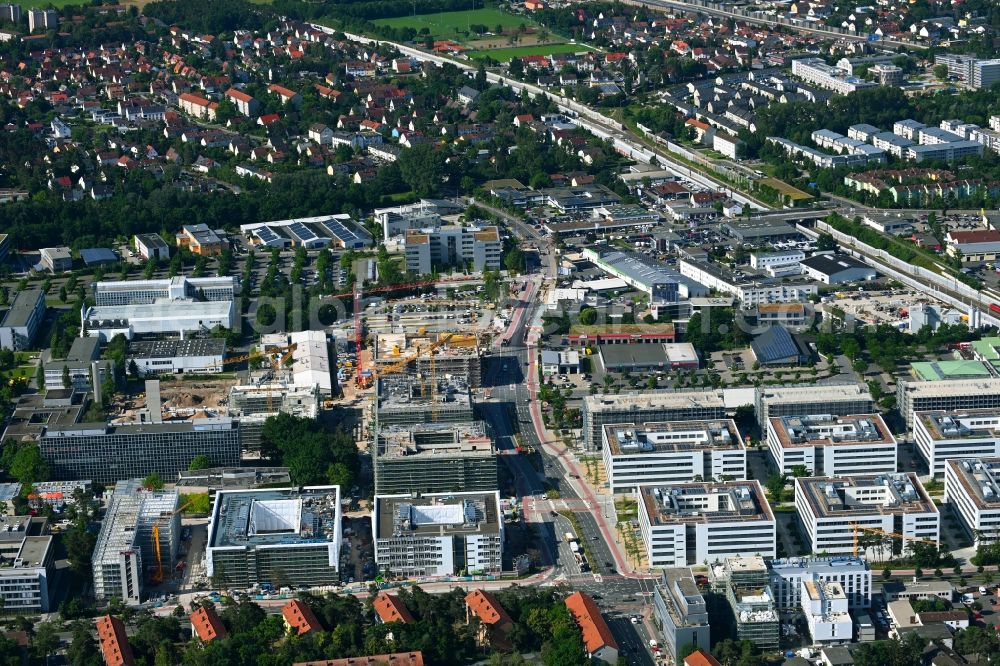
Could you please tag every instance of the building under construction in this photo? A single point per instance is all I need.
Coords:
(253, 404)
(138, 541)
(433, 354)
(405, 400)
(435, 458)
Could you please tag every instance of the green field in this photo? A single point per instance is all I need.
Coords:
(503, 55)
(453, 25)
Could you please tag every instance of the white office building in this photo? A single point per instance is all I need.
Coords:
(817, 72)
(825, 606)
(161, 318)
(852, 573)
(693, 523)
(828, 445)
(479, 247)
(195, 355)
(143, 292)
(973, 488)
(842, 514)
(443, 534)
(946, 435)
(28, 556)
(672, 452)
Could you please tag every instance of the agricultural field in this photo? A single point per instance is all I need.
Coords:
(504, 55)
(457, 25)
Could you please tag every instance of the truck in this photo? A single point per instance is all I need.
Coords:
(570, 537)
(574, 546)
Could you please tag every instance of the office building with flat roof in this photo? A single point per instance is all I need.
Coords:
(21, 321)
(827, 445)
(151, 246)
(659, 406)
(941, 436)
(277, 536)
(201, 240)
(309, 232)
(854, 575)
(946, 395)
(839, 513)
(824, 604)
(694, 523)
(106, 453)
(442, 534)
(663, 285)
(435, 458)
(452, 245)
(672, 452)
(34, 413)
(28, 557)
(160, 318)
(973, 488)
(194, 355)
(78, 364)
(406, 400)
(836, 399)
(680, 612)
(145, 292)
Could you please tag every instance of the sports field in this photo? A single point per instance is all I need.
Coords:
(503, 55)
(451, 25)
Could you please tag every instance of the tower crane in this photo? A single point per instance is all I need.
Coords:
(272, 356)
(399, 365)
(157, 576)
(902, 537)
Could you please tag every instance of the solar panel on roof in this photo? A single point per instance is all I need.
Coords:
(775, 344)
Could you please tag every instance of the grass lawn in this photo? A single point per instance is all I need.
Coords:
(454, 25)
(503, 55)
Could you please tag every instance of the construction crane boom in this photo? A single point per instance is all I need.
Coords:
(158, 573)
(399, 365)
(902, 537)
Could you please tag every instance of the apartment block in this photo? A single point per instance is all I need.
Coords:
(276, 536)
(197, 106)
(817, 72)
(478, 247)
(694, 523)
(844, 514)
(947, 395)
(834, 399)
(672, 452)
(973, 488)
(659, 406)
(40, 20)
(443, 534)
(435, 458)
(828, 445)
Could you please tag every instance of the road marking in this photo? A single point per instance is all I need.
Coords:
(598, 578)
